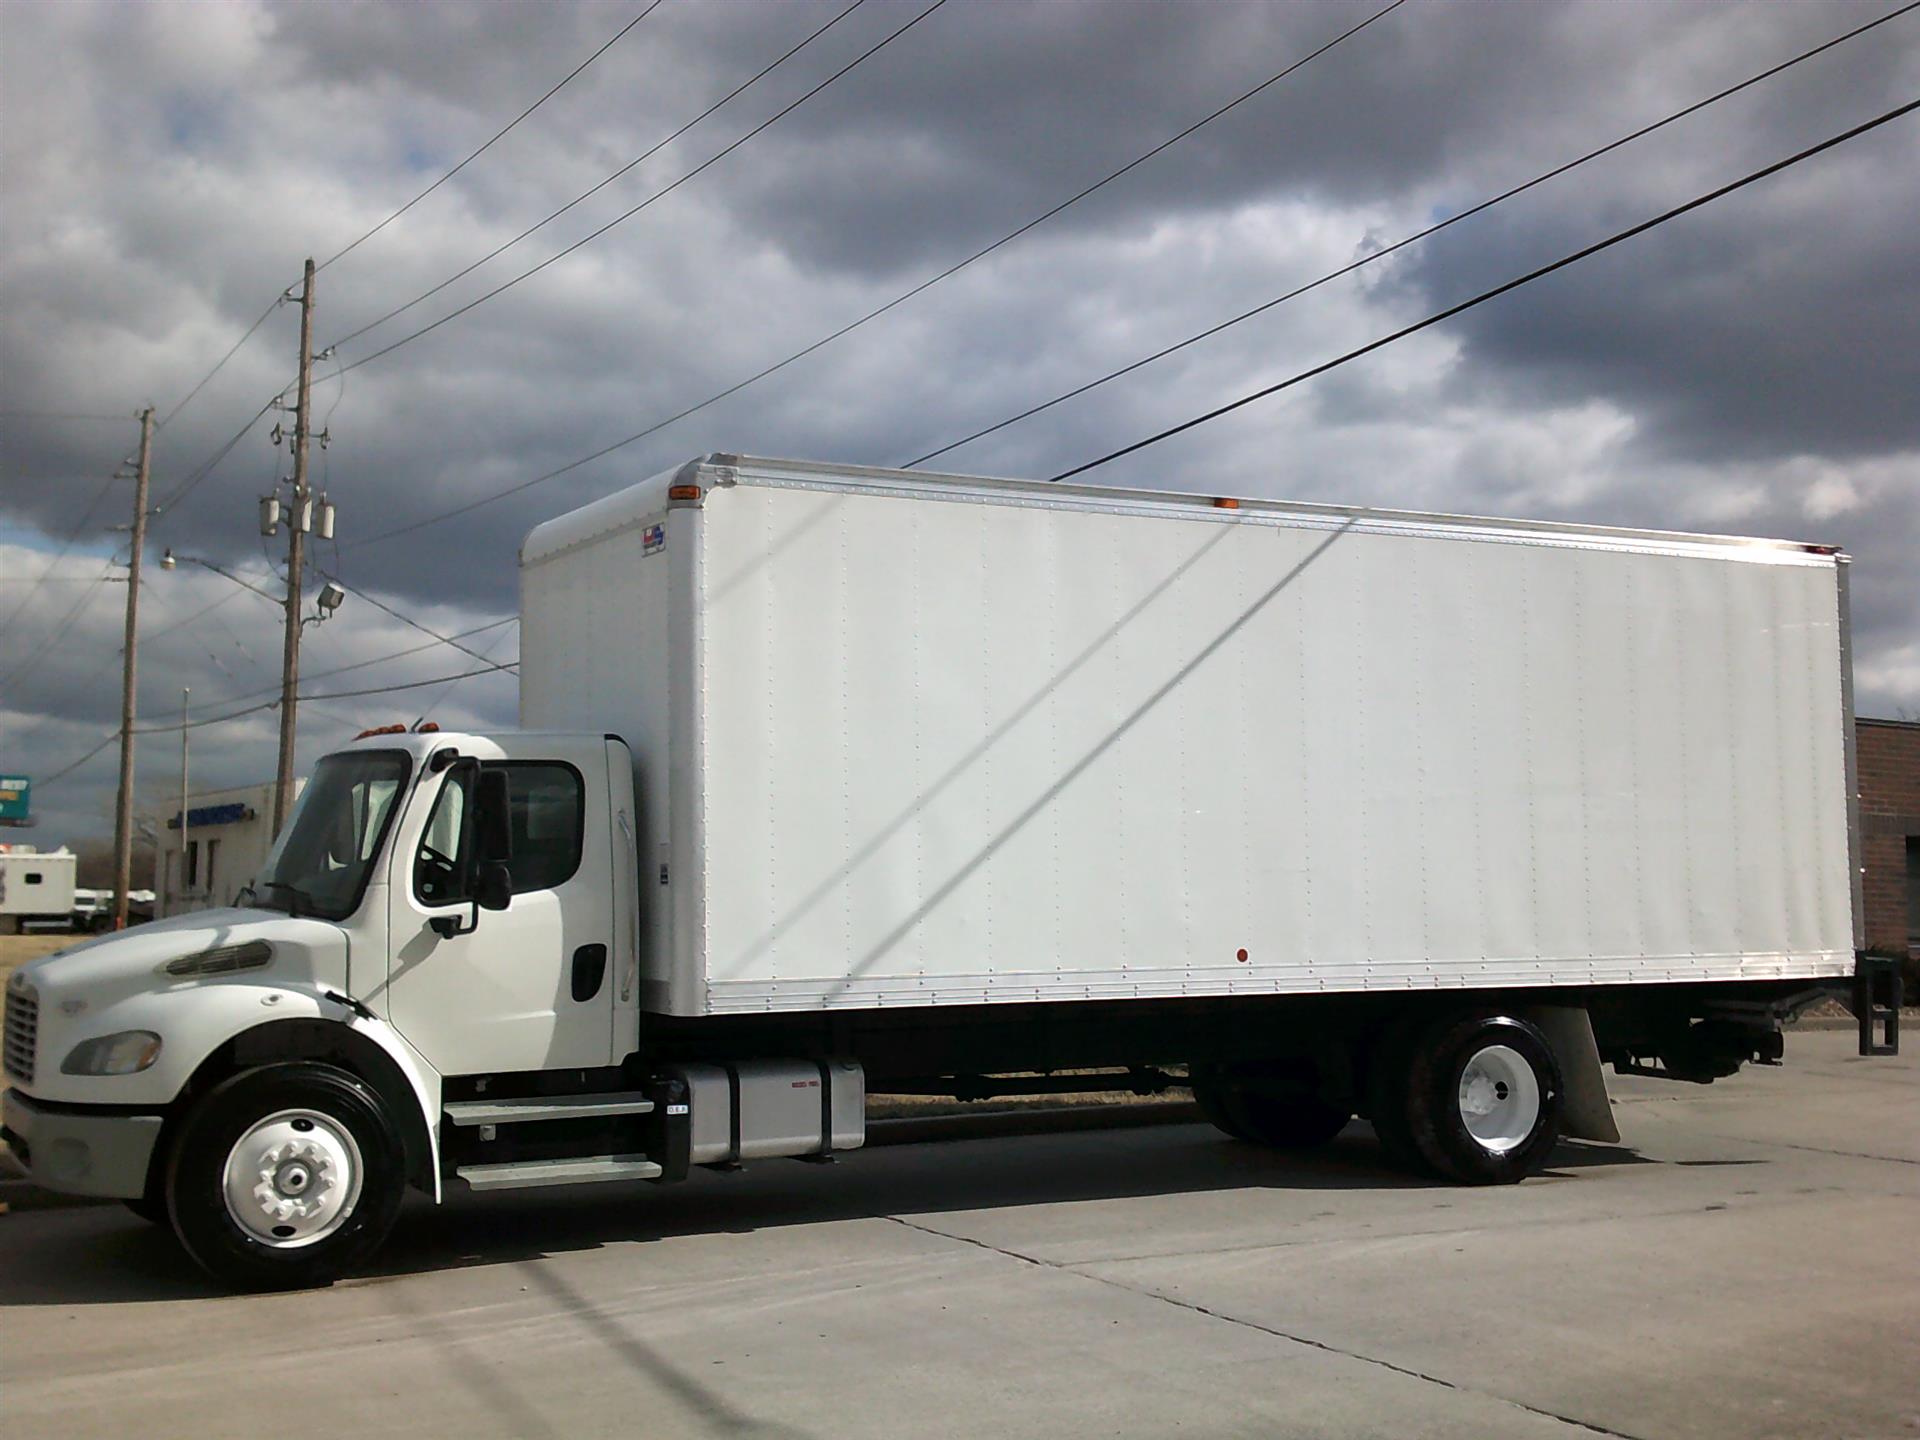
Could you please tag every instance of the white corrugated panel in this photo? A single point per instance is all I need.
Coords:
(958, 752)
(597, 652)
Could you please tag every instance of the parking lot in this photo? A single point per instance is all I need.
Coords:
(1746, 1265)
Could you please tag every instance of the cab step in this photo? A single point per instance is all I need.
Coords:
(549, 1107)
(579, 1170)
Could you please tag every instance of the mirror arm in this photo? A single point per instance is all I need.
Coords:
(448, 926)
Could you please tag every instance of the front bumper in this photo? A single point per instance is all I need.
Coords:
(82, 1150)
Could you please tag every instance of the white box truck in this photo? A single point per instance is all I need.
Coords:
(36, 889)
(839, 780)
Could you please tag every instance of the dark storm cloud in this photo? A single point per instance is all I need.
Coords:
(167, 167)
(1780, 321)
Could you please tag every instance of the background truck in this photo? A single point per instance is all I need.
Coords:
(838, 780)
(36, 889)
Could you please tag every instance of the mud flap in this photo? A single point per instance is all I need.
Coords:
(1876, 1001)
(1586, 1113)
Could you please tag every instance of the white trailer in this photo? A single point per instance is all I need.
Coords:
(838, 780)
(36, 889)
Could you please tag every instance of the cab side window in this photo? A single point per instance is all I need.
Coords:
(548, 804)
(440, 865)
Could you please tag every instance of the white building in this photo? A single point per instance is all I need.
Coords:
(229, 833)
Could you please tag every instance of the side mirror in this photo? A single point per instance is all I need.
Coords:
(493, 886)
(493, 820)
(487, 840)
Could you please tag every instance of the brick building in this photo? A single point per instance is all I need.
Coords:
(1889, 762)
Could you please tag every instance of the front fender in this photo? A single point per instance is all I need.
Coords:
(211, 1027)
(369, 1047)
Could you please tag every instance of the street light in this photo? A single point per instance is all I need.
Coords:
(325, 603)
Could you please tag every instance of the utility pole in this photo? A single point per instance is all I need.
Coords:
(298, 523)
(123, 808)
(185, 691)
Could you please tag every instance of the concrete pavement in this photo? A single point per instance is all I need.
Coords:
(1744, 1266)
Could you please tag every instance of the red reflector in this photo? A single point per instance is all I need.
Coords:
(1241, 956)
(683, 492)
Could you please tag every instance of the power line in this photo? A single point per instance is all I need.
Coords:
(1412, 239)
(173, 497)
(58, 555)
(56, 415)
(423, 629)
(445, 695)
(59, 630)
(489, 668)
(1498, 290)
(221, 363)
(658, 194)
(586, 194)
(68, 769)
(376, 660)
(274, 688)
(898, 300)
(226, 599)
(489, 145)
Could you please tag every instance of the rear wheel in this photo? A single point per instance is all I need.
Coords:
(1280, 1121)
(1388, 1066)
(285, 1176)
(1211, 1094)
(1483, 1098)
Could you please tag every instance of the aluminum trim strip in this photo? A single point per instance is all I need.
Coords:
(911, 484)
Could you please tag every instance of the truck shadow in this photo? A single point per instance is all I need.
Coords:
(103, 1255)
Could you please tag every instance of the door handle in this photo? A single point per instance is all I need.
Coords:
(589, 970)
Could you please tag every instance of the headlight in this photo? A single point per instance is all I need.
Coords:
(221, 960)
(127, 1053)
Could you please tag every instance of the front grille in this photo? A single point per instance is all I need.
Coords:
(23, 1028)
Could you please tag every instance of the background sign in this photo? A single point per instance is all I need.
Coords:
(14, 791)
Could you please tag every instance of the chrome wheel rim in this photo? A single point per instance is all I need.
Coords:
(293, 1178)
(1499, 1098)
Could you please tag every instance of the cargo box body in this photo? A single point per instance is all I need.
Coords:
(910, 740)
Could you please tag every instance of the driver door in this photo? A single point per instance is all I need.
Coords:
(529, 987)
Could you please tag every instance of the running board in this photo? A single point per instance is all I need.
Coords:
(583, 1170)
(551, 1107)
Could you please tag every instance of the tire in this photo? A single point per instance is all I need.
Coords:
(1387, 1109)
(1279, 1122)
(336, 1182)
(150, 1208)
(1212, 1095)
(1483, 1098)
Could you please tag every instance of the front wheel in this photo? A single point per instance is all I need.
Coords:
(285, 1176)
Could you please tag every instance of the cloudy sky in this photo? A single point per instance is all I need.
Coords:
(1751, 368)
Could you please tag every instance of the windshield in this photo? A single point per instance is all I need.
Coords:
(321, 862)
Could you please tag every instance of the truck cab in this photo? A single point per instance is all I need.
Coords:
(440, 912)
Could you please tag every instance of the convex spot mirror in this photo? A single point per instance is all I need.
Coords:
(493, 886)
